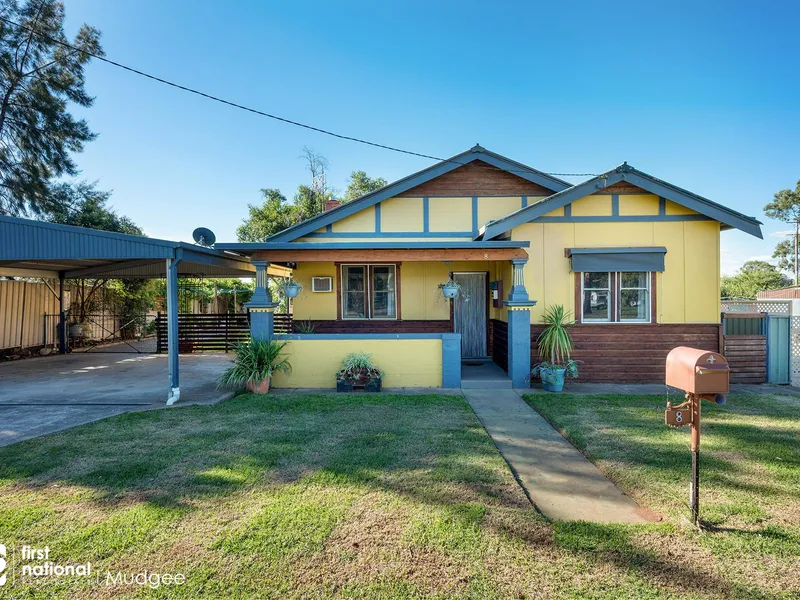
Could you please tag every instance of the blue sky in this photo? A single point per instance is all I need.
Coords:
(703, 94)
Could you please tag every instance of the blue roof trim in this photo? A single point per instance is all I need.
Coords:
(617, 250)
(412, 181)
(251, 247)
(628, 174)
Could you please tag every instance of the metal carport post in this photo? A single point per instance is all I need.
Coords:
(172, 327)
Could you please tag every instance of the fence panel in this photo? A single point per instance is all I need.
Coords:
(204, 333)
(747, 357)
(22, 307)
(778, 349)
(283, 323)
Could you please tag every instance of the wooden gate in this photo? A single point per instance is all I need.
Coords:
(746, 346)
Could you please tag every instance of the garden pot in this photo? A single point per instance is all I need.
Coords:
(292, 291)
(450, 291)
(553, 379)
(259, 387)
(368, 385)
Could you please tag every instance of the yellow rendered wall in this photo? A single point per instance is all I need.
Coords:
(638, 204)
(401, 214)
(592, 206)
(687, 291)
(406, 362)
(493, 208)
(361, 222)
(450, 214)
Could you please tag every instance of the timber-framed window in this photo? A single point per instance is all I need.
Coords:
(616, 297)
(369, 291)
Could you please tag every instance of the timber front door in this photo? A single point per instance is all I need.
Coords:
(469, 314)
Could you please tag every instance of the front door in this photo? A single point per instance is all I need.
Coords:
(469, 313)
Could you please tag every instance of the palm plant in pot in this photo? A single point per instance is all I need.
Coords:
(555, 350)
(254, 364)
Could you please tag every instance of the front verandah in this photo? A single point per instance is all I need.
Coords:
(415, 348)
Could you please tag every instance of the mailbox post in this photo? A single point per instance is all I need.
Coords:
(701, 375)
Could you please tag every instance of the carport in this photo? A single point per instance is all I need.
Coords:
(30, 248)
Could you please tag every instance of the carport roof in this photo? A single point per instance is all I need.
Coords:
(30, 248)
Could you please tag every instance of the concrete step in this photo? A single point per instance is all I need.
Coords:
(486, 384)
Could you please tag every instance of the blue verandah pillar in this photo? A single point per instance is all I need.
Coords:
(261, 306)
(519, 326)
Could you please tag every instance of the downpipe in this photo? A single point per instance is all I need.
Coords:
(174, 396)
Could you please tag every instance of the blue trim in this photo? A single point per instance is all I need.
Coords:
(262, 325)
(568, 210)
(396, 234)
(255, 246)
(378, 217)
(524, 201)
(328, 227)
(615, 205)
(629, 175)
(362, 336)
(403, 185)
(617, 250)
(662, 206)
(474, 214)
(426, 214)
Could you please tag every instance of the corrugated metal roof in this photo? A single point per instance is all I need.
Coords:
(78, 251)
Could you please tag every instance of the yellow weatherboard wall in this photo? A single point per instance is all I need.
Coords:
(315, 305)
(401, 214)
(687, 291)
(406, 362)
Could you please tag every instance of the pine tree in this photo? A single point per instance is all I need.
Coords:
(39, 78)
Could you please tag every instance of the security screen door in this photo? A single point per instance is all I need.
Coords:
(469, 313)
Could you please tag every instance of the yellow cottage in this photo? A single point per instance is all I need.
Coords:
(635, 259)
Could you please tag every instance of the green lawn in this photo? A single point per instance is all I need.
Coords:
(399, 497)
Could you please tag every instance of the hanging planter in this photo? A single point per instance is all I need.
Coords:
(289, 288)
(451, 289)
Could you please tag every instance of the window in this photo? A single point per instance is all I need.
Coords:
(369, 292)
(615, 297)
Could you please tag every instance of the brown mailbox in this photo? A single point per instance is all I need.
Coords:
(697, 371)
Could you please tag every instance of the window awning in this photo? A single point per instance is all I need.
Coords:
(594, 260)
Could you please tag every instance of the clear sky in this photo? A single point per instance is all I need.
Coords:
(703, 94)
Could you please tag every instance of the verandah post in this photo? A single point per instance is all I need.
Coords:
(261, 306)
(519, 326)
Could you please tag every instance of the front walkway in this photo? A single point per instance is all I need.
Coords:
(560, 481)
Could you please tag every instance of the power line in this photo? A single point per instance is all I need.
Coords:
(256, 111)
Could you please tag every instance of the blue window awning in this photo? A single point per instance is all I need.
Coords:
(594, 260)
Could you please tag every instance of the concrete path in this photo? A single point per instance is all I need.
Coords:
(561, 481)
(52, 393)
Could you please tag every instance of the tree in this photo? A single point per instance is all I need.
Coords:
(39, 77)
(753, 277)
(275, 214)
(785, 207)
(360, 183)
(784, 252)
(83, 205)
(310, 199)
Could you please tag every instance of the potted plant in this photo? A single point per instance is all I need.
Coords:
(358, 373)
(289, 287)
(451, 289)
(254, 364)
(555, 348)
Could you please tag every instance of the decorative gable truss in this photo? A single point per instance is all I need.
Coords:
(624, 176)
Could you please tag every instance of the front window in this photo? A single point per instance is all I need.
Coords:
(623, 297)
(369, 292)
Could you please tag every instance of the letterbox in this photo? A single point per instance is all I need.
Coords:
(698, 372)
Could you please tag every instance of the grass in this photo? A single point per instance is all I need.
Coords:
(399, 497)
(749, 480)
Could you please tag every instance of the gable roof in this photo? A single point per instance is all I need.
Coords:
(623, 173)
(476, 153)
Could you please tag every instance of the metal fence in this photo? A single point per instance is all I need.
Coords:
(103, 332)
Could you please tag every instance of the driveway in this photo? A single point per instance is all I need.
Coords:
(47, 394)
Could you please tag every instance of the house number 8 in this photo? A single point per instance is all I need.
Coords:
(679, 417)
